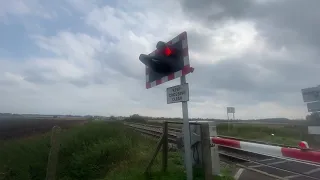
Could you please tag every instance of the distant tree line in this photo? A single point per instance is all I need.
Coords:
(136, 118)
(139, 118)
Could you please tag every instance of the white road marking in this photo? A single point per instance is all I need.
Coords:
(312, 171)
(260, 165)
(292, 176)
(267, 159)
(308, 172)
(238, 174)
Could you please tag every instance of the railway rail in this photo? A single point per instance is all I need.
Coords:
(228, 137)
(275, 168)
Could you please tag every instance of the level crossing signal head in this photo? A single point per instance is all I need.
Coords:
(163, 49)
(167, 62)
(166, 59)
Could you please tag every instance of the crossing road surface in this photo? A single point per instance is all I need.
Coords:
(251, 175)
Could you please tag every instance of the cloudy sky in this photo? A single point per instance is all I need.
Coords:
(81, 57)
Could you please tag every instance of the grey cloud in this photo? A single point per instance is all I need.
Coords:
(269, 79)
(117, 61)
(216, 9)
(198, 41)
(79, 82)
(234, 75)
(230, 75)
(300, 12)
(38, 76)
(296, 19)
(283, 22)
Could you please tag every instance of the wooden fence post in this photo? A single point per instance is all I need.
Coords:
(53, 154)
(155, 154)
(206, 152)
(165, 147)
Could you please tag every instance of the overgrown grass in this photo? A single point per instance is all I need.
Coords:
(86, 152)
(24, 159)
(134, 167)
(97, 150)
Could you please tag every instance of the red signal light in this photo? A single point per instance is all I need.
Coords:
(167, 51)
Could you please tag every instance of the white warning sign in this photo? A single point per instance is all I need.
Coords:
(178, 93)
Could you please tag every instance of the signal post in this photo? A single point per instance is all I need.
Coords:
(170, 61)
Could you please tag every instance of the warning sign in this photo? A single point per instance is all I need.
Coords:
(178, 93)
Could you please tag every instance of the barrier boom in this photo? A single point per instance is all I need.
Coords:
(275, 151)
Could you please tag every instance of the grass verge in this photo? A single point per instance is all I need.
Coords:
(86, 152)
(97, 150)
(134, 167)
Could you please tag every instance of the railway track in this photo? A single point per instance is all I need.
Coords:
(274, 168)
(228, 137)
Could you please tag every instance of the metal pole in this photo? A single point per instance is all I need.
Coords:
(186, 136)
(228, 121)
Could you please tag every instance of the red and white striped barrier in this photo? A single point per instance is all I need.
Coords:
(275, 151)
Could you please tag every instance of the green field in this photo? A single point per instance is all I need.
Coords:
(96, 150)
(290, 136)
